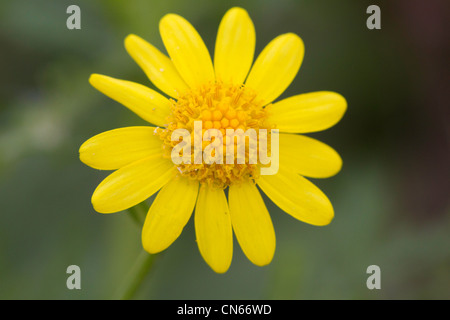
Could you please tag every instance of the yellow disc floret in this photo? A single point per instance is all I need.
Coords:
(218, 106)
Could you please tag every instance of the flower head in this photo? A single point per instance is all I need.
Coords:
(229, 93)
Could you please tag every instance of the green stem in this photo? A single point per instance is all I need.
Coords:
(136, 276)
(144, 262)
(138, 213)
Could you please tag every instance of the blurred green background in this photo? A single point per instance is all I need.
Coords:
(391, 199)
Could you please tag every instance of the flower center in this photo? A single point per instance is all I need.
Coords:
(222, 107)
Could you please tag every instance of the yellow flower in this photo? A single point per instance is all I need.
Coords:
(229, 93)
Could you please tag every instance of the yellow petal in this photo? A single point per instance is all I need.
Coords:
(251, 223)
(145, 102)
(298, 197)
(213, 228)
(187, 50)
(235, 46)
(132, 184)
(276, 67)
(309, 112)
(308, 157)
(169, 213)
(156, 65)
(117, 148)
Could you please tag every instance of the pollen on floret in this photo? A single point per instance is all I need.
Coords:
(218, 106)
